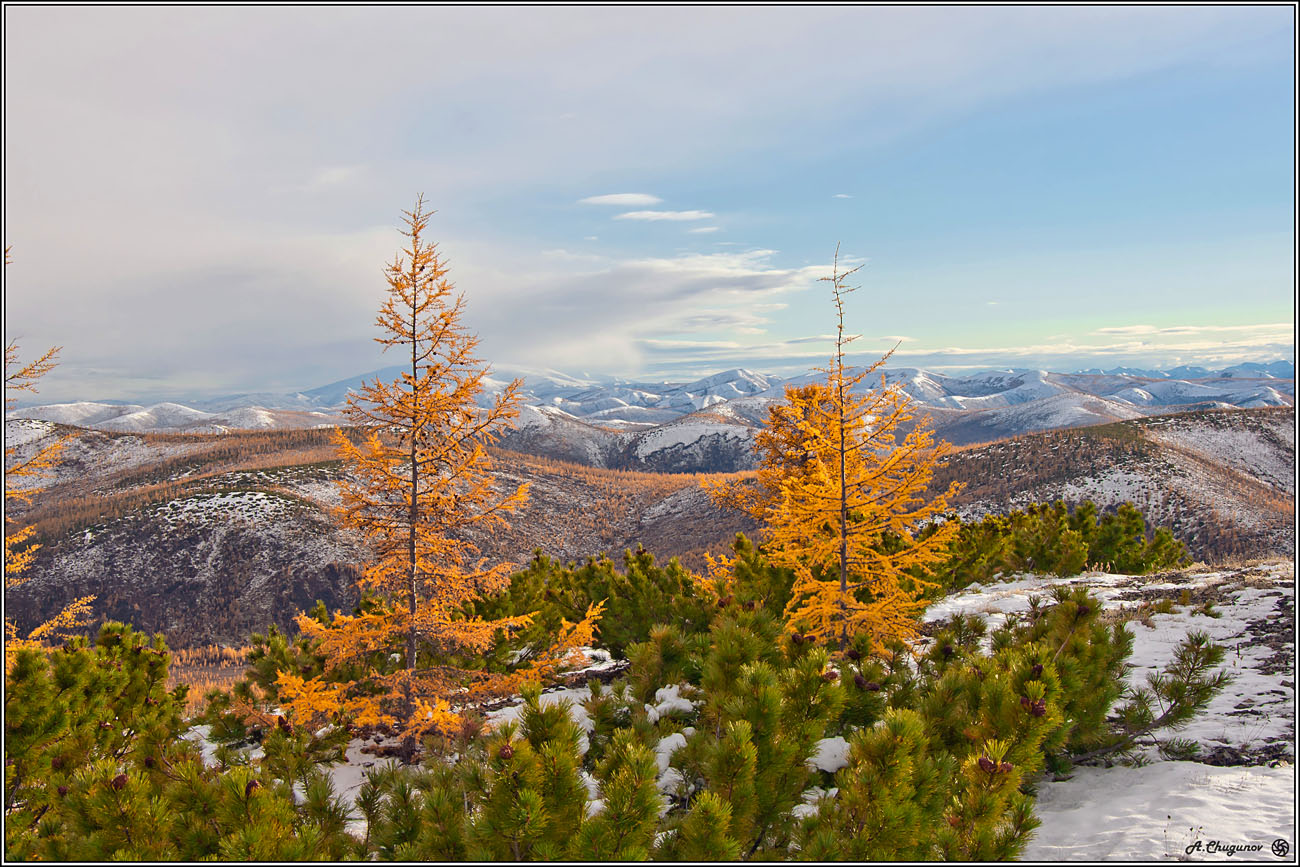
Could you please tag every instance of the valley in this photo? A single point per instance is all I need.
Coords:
(208, 537)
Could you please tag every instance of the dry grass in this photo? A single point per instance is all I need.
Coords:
(204, 669)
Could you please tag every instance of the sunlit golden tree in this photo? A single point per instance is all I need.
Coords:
(843, 501)
(416, 485)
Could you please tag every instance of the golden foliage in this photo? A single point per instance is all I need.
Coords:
(843, 501)
(416, 483)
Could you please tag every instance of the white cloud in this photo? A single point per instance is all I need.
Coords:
(841, 196)
(623, 200)
(665, 215)
(703, 230)
(599, 318)
(1271, 328)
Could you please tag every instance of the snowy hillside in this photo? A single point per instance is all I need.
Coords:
(1223, 481)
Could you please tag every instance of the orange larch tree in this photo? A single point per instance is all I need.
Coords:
(415, 486)
(18, 550)
(842, 501)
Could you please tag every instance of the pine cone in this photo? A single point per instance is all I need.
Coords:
(1024, 702)
(796, 638)
(830, 675)
(506, 752)
(57, 763)
(872, 686)
(852, 653)
(988, 765)
(948, 650)
(118, 783)
(1039, 708)
(859, 681)
(63, 791)
(253, 786)
(1038, 669)
(150, 761)
(1005, 767)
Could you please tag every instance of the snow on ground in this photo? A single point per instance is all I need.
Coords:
(1114, 485)
(1165, 811)
(832, 754)
(323, 493)
(256, 507)
(21, 431)
(685, 434)
(1152, 812)
(1247, 450)
(85, 456)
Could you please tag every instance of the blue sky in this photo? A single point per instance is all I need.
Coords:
(201, 201)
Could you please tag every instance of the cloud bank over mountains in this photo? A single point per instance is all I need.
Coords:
(226, 225)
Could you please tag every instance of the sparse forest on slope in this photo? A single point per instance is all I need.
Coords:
(134, 505)
(1221, 480)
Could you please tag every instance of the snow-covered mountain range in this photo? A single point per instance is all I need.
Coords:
(708, 424)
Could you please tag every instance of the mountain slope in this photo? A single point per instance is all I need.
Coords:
(1222, 480)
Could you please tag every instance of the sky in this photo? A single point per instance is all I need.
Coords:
(201, 201)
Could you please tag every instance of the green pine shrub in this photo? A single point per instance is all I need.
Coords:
(97, 768)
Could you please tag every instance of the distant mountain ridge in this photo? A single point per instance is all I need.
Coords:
(708, 425)
(1247, 370)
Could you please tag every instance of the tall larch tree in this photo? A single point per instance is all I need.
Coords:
(416, 484)
(19, 549)
(843, 501)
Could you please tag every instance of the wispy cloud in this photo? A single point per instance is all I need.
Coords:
(703, 230)
(616, 305)
(570, 256)
(622, 200)
(841, 196)
(665, 215)
(1153, 330)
